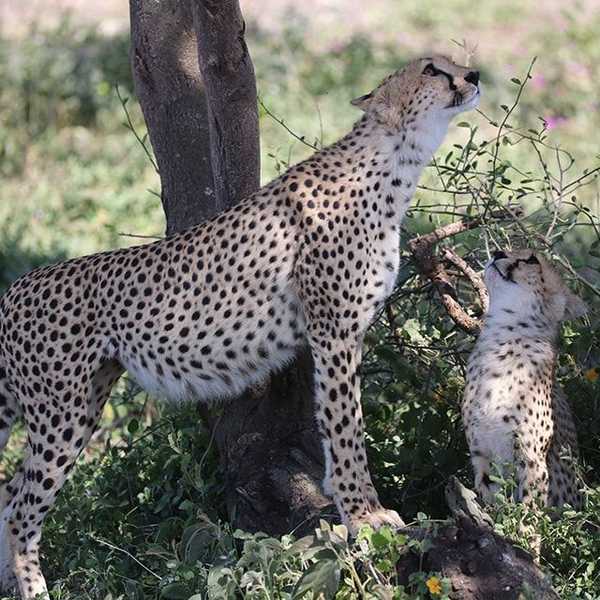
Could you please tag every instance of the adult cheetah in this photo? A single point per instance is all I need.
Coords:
(514, 412)
(309, 258)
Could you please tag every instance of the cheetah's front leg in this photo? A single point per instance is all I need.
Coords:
(337, 392)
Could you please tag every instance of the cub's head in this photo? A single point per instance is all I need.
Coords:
(426, 91)
(523, 283)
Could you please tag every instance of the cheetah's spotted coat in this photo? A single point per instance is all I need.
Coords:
(307, 259)
(514, 411)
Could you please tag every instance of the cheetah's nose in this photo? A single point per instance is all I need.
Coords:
(472, 77)
(499, 254)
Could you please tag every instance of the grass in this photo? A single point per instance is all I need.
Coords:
(146, 522)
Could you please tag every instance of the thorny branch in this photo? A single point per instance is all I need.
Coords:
(281, 122)
(430, 267)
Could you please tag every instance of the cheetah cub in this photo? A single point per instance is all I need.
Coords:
(306, 260)
(515, 414)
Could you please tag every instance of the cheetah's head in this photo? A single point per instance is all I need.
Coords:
(426, 92)
(525, 283)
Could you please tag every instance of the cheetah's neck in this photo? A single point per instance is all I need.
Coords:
(386, 166)
(502, 323)
(511, 339)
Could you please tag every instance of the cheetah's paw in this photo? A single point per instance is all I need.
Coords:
(376, 519)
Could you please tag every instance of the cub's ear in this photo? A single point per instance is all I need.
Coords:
(363, 102)
(575, 307)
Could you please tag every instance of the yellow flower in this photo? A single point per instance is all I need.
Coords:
(434, 586)
(592, 375)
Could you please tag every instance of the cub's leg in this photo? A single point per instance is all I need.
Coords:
(564, 481)
(337, 393)
(70, 419)
(482, 469)
(492, 453)
(532, 471)
(533, 483)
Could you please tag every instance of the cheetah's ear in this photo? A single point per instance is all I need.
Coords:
(575, 307)
(363, 102)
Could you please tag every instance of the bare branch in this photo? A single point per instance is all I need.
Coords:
(422, 249)
(281, 122)
(474, 277)
(422, 242)
(435, 271)
(429, 266)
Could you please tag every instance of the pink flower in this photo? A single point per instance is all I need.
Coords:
(338, 47)
(554, 121)
(577, 69)
(538, 82)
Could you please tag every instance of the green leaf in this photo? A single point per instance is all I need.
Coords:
(238, 534)
(175, 591)
(301, 545)
(341, 531)
(197, 543)
(382, 538)
(385, 565)
(321, 579)
(221, 583)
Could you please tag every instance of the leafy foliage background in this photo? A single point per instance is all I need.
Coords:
(142, 515)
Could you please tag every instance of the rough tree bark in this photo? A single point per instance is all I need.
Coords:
(195, 82)
(168, 85)
(228, 75)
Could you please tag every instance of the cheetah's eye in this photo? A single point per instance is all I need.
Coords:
(532, 260)
(430, 70)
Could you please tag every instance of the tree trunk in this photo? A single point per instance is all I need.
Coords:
(228, 74)
(204, 132)
(168, 85)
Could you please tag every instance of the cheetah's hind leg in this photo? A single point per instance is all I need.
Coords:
(49, 468)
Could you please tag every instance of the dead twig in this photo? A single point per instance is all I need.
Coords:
(438, 275)
(470, 273)
(281, 122)
(140, 236)
(423, 250)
